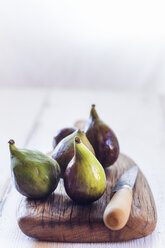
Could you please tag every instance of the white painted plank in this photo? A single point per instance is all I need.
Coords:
(138, 122)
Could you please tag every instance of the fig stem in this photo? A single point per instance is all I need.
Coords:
(80, 131)
(93, 112)
(77, 140)
(11, 142)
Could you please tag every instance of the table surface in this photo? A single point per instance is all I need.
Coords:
(32, 116)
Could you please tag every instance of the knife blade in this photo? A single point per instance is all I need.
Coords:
(117, 212)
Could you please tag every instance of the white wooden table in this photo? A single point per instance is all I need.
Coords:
(32, 116)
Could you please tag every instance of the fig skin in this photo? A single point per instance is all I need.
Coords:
(35, 175)
(84, 177)
(64, 151)
(103, 139)
(62, 133)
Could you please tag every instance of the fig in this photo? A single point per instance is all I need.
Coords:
(102, 138)
(84, 177)
(34, 174)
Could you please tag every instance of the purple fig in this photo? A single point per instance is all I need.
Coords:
(102, 138)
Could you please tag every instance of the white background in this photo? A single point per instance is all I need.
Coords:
(117, 45)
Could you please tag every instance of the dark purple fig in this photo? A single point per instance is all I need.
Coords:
(64, 151)
(102, 138)
(62, 133)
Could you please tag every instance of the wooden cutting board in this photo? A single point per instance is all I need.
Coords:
(58, 218)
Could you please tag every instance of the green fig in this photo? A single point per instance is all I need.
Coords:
(62, 133)
(64, 151)
(84, 177)
(35, 174)
(102, 138)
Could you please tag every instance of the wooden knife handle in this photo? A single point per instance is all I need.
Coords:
(118, 209)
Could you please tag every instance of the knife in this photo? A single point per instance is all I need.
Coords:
(118, 209)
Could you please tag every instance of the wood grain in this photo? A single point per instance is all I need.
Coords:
(57, 218)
